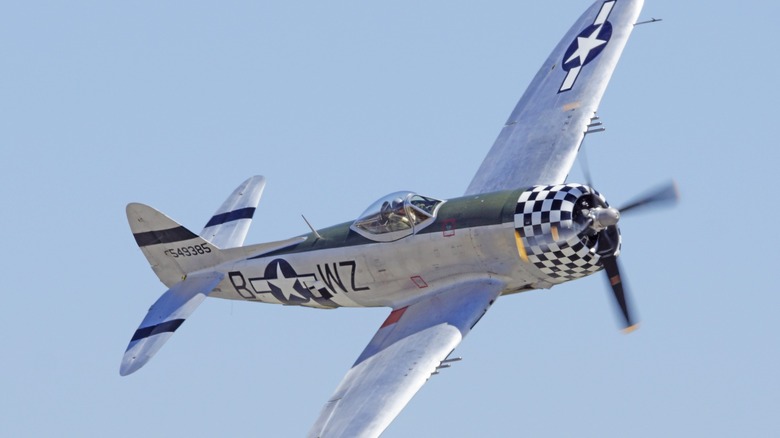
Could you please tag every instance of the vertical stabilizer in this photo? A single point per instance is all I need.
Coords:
(172, 250)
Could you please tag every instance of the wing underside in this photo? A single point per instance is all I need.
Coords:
(165, 317)
(403, 354)
(540, 140)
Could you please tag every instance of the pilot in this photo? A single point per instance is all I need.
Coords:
(384, 213)
(395, 213)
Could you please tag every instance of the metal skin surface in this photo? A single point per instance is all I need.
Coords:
(541, 137)
(438, 265)
(471, 235)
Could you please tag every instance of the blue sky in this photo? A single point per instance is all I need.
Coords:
(175, 103)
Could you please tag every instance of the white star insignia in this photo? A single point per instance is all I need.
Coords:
(585, 45)
(285, 285)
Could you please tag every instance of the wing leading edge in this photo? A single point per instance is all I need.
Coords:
(402, 355)
(541, 138)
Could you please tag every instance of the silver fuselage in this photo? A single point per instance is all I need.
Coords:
(472, 237)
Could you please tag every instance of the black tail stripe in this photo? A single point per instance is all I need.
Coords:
(163, 236)
(241, 213)
(167, 326)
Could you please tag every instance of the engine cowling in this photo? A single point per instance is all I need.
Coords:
(554, 227)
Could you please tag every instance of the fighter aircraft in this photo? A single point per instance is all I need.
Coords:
(438, 264)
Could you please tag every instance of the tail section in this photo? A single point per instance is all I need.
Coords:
(182, 260)
(172, 250)
(230, 224)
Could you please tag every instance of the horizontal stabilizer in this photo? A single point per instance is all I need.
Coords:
(164, 317)
(229, 225)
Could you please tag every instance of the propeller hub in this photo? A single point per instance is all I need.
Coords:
(603, 217)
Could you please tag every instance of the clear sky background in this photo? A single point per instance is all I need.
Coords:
(338, 103)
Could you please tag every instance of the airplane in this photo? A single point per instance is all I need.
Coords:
(437, 264)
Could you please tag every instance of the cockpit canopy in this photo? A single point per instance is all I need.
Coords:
(396, 216)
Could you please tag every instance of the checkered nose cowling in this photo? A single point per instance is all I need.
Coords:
(552, 228)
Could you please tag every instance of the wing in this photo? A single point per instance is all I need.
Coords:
(540, 140)
(402, 355)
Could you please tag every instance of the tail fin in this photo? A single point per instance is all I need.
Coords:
(172, 250)
(176, 252)
(230, 224)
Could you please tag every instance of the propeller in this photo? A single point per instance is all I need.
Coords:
(607, 247)
(601, 223)
(666, 194)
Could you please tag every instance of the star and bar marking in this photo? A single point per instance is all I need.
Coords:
(587, 46)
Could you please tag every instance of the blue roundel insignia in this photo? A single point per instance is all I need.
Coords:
(588, 45)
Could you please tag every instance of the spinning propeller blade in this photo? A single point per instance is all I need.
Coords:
(612, 268)
(666, 194)
(602, 222)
